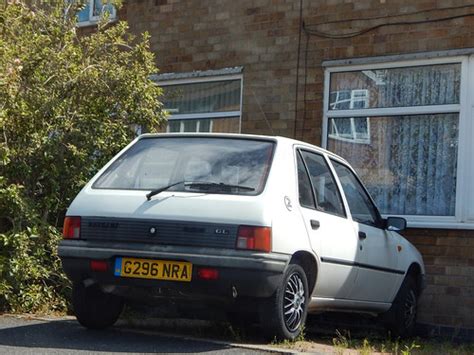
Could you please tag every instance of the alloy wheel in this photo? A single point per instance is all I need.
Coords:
(294, 302)
(410, 308)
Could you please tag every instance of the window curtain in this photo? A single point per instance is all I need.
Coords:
(400, 87)
(218, 96)
(420, 86)
(409, 162)
(422, 158)
(410, 165)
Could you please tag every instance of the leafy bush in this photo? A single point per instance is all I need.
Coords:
(68, 103)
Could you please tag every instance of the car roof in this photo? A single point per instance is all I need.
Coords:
(278, 139)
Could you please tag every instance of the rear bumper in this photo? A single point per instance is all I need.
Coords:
(243, 273)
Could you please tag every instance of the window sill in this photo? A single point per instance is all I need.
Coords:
(435, 222)
(441, 225)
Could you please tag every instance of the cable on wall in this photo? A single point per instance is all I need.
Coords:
(440, 9)
(318, 33)
(301, 28)
(311, 30)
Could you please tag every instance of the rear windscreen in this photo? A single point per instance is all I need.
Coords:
(233, 166)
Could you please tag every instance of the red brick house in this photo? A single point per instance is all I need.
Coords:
(389, 85)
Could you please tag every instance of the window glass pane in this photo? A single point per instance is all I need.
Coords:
(216, 125)
(344, 127)
(328, 198)
(409, 167)
(97, 8)
(304, 186)
(190, 125)
(154, 162)
(216, 96)
(396, 87)
(102, 6)
(174, 126)
(361, 127)
(362, 209)
(205, 125)
(354, 129)
(84, 14)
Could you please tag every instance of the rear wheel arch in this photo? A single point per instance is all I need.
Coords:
(308, 262)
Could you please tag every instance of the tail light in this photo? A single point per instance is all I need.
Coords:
(99, 265)
(254, 238)
(72, 228)
(208, 273)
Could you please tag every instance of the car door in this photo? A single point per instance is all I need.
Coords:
(378, 257)
(330, 231)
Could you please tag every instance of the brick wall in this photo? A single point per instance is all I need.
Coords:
(283, 85)
(449, 260)
(388, 40)
(260, 34)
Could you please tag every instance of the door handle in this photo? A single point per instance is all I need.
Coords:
(362, 235)
(314, 224)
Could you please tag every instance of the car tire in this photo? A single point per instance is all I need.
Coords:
(400, 320)
(283, 315)
(95, 309)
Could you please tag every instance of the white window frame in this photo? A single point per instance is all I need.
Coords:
(354, 138)
(198, 124)
(464, 207)
(206, 115)
(93, 20)
(354, 98)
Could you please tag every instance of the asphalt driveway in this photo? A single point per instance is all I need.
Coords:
(33, 336)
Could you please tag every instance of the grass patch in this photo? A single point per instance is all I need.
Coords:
(316, 337)
(343, 342)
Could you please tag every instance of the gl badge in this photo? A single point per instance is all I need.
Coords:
(221, 231)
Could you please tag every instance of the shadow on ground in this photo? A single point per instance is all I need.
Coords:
(69, 335)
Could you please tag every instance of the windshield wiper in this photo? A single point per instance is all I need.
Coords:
(199, 185)
(161, 189)
(216, 185)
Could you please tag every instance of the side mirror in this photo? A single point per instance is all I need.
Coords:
(396, 224)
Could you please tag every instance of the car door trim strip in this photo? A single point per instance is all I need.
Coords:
(364, 266)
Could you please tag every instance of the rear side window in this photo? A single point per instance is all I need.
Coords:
(153, 163)
(304, 185)
(328, 198)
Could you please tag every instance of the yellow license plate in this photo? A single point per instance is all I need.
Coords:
(153, 269)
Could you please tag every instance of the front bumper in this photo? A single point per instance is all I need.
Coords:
(242, 273)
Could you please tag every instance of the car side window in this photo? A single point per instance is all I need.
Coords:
(362, 208)
(304, 185)
(328, 198)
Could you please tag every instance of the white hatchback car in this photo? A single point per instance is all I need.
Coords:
(251, 224)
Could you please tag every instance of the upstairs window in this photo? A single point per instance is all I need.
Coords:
(93, 10)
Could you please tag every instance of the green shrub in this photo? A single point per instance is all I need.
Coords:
(68, 103)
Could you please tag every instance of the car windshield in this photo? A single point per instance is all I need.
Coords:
(205, 164)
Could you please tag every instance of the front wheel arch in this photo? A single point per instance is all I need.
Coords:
(400, 319)
(414, 271)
